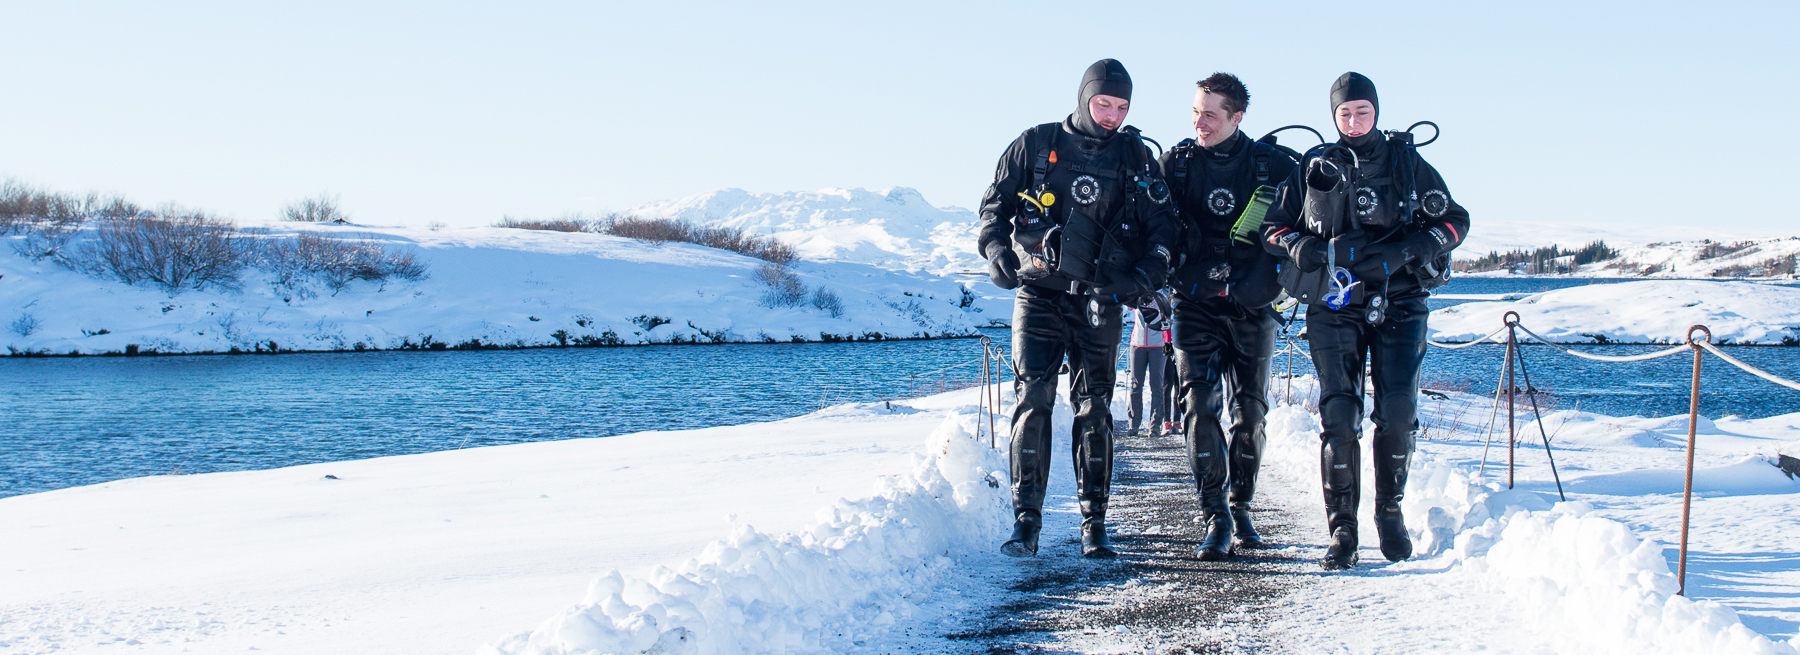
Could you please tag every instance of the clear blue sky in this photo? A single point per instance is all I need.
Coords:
(1629, 112)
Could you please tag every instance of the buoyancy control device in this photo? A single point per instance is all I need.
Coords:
(1088, 245)
(1340, 203)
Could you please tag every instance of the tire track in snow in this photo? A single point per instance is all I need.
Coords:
(1157, 597)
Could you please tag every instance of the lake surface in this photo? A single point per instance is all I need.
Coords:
(71, 422)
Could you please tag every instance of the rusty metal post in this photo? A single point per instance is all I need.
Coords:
(988, 402)
(1000, 369)
(1290, 371)
(1687, 492)
(1512, 345)
(982, 392)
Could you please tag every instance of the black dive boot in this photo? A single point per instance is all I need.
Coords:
(1094, 544)
(1342, 553)
(1247, 538)
(1217, 546)
(1340, 467)
(1396, 544)
(1393, 450)
(1024, 540)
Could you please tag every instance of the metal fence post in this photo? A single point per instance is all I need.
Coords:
(1687, 492)
(1512, 344)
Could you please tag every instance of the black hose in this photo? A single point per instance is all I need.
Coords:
(1435, 131)
(1159, 150)
(1270, 137)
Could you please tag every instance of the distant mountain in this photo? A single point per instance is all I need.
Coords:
(892, 228)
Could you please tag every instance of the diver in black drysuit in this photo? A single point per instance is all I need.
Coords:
(1224, 326)
(1113, 231)
(1397, 255)
(1224, 321)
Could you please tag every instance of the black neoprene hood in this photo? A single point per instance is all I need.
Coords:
(1353, 86)
(1106, 77)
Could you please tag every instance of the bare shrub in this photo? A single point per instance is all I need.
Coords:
(828, 300)
(25, 324)
(662, 230)
(51, 220)
(654, 230)
(785, 288)
(320, 209)
(175, 251)
(572, 223)
(334, 262)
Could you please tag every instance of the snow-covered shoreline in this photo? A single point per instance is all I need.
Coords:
(487, 288)
(1641, 312)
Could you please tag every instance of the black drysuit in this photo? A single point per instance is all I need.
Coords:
(1224, 327)
(1387, 254)
(1056, 315)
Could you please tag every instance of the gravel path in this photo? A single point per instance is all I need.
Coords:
(1157, 597)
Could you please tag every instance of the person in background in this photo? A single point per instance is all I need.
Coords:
(1149, 324)
(1171, 382)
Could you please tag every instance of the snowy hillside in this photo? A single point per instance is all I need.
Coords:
(1503, 236)
(487, 287)
(894, 228)
(1638, 312)
(1767, 257)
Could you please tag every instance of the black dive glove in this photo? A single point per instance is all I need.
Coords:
(1311, 254)
(1003, 266)
(1381, 261)
(1136, 287)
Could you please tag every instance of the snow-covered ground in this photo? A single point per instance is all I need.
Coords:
(1590, 575)
(838, 531)
(1637, 312)
(494, 286)
(442, 552)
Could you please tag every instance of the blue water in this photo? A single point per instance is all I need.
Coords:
(76, 421)
(71, 422)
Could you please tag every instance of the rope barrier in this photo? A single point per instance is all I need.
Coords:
(1606, 358)
(1460, 346)
(977, 360)
(1748, 368)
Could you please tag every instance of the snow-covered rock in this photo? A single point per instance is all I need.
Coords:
(892, 228)
(1637, 312)
(487, 287)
